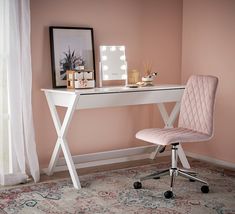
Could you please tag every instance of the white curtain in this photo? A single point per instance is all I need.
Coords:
(19, 158)
(4, 116)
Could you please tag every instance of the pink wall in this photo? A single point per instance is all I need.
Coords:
(162, 37)
(209, 48)
(149, 29)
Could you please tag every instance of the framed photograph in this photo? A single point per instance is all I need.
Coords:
(72, 48)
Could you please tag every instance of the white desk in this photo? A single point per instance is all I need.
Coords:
(107, 97)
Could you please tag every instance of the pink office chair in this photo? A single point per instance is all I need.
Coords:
(195, 124)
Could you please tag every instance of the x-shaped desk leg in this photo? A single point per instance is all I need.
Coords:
(61, 141)
(169, 120)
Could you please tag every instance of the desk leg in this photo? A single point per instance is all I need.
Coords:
(61, 131)
(169, 120)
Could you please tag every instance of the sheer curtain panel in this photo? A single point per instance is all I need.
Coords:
(4, 113)
(18, 157)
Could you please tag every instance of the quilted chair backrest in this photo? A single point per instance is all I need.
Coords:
(197, 105)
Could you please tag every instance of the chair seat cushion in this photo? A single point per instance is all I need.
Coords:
(168, 136)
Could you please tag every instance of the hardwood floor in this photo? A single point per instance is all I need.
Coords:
(65, 174)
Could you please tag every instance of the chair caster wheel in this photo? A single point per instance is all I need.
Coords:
(156, 178)
(205, 189)
(168, 194)
(191, 180)
(137, 185)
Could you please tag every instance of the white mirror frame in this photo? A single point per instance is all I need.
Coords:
(112, 58)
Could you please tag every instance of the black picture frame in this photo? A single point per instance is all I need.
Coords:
(71, 47)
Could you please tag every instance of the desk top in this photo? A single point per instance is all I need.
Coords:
(114, 89)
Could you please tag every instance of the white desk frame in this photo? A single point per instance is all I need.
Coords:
(107, 97)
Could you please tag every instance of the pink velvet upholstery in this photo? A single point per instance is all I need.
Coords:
(196, 115)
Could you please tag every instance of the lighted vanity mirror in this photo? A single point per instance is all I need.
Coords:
(113, 65)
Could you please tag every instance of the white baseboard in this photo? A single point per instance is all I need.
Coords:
(215, 161)
(108, 157)
(124, 155)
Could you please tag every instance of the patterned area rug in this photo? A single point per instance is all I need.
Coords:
(112, 192)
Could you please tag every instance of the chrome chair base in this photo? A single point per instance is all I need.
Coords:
(174, 171)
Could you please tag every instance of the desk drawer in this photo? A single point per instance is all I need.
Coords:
(128, 98)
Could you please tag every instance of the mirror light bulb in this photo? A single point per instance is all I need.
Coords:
(105, 67)
(103, 48)
(104, 58)
(113, 48)
(123, 67)
(122, 48)
(106, 77)
(123, 57)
